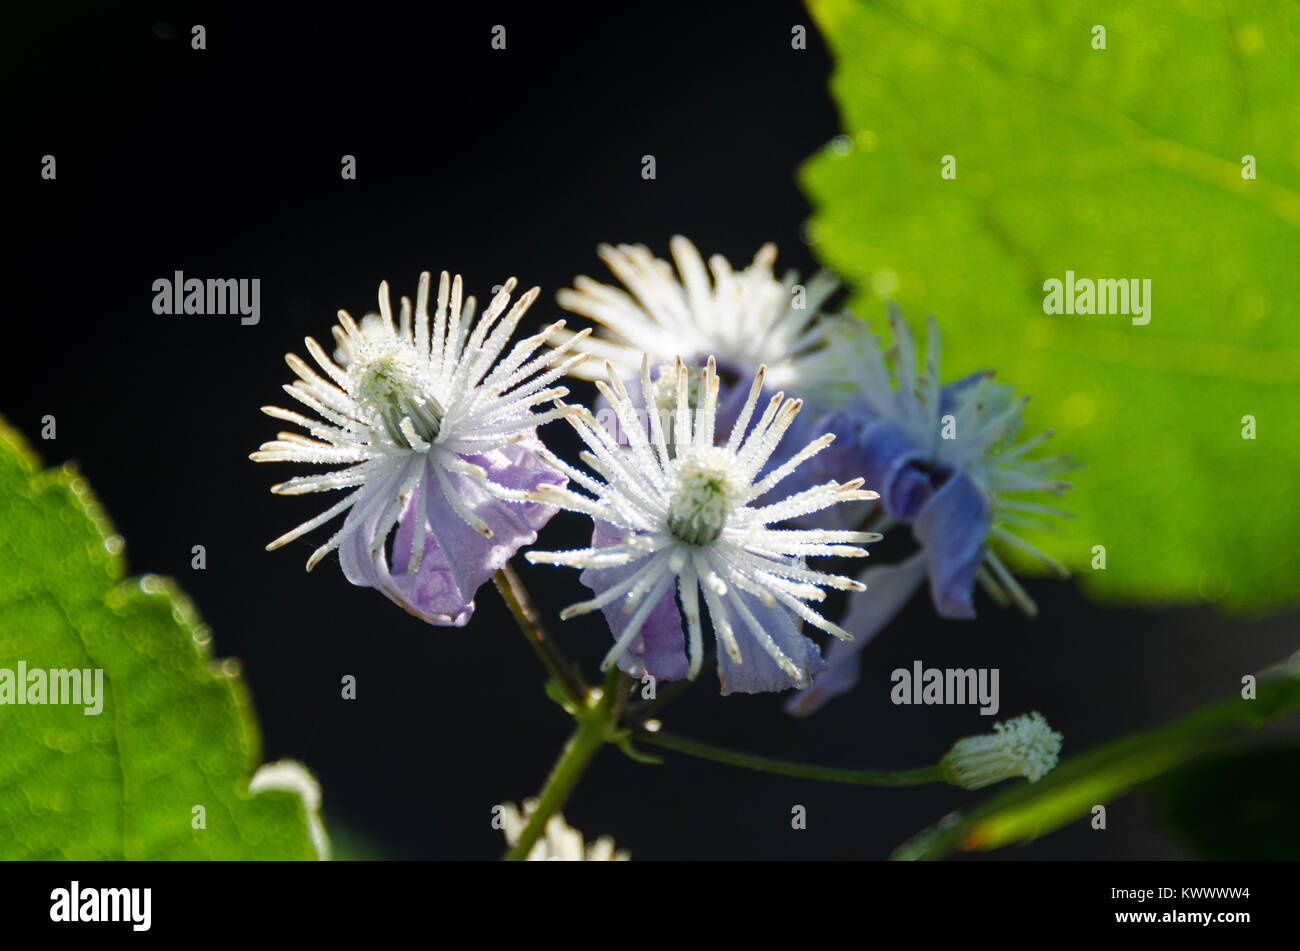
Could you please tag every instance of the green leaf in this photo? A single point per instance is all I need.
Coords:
(175, 730)
(1237, 806)
(1025, 811)
(1117, 163)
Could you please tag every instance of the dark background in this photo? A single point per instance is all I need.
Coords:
(225, 163)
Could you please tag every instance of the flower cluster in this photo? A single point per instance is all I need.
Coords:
(708, 495)
(709, 490)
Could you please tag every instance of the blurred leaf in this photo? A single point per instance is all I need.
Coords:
(1237, 806)
(174, 731)
(1117, 163)
(1027, 810)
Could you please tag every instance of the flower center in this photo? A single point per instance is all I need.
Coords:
(703, 498)
(385, 380)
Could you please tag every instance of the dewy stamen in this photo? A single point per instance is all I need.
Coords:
(663, 392)
(665, 387)
(698, 508)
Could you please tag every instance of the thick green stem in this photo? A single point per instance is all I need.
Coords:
(831, 774)
(597, 724)
(520, 604)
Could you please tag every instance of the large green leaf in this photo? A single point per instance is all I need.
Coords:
(1117, 163)
(174, 731)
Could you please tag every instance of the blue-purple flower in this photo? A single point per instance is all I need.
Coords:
(676, 517)
(945, 461)
(437, 431)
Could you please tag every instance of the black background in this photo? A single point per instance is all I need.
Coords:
(225, 163)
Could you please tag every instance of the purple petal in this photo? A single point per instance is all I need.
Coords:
(472, 557)
(429, 593)
(517, 467)
(457, 560)
(952, 526)
(884, 454)
(889, 588)
(660, 649)
(758, 672)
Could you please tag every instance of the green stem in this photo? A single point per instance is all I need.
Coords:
(520, 604)
(597, 724)
(831, 774)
